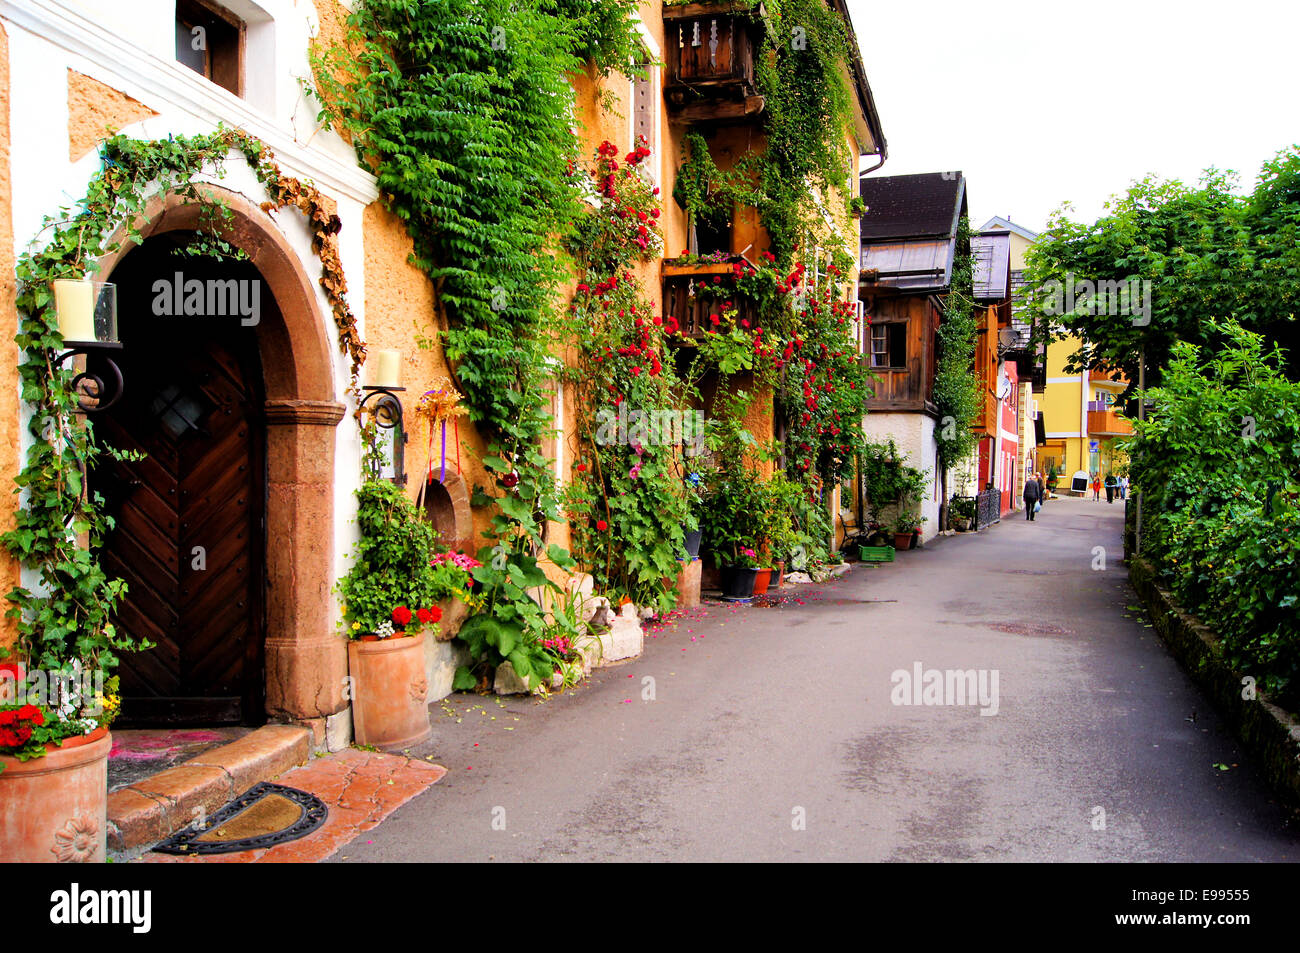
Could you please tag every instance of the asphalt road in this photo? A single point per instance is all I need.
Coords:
(771, 734)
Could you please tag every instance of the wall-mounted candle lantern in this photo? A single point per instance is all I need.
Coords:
(87, 316)
(386, 410)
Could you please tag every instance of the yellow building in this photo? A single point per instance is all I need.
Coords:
(1081, 418)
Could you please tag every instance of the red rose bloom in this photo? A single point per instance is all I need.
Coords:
(582, 468)
(401, 616)
(602, 525)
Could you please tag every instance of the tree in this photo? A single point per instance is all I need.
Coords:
(1182, 257)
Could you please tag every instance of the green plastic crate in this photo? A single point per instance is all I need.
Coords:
(876, 554)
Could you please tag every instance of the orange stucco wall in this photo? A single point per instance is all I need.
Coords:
(400, 313)
(96, 111)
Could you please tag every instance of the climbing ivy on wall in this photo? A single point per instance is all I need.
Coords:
(463, 110)
(627, 500)
(956, 387)
(67, 617)
(812, 325)
(808, 120)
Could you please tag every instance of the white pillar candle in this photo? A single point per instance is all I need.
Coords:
(385, 371)
(74, 302)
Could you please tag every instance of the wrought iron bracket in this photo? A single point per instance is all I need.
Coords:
(386, 411)
(94, 388)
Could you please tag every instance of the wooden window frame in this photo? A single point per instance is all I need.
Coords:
(871, 345)
(189, 11)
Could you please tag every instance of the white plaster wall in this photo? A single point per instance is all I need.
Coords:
(130, 47)
(914, 435)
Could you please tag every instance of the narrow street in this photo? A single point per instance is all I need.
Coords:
(763, 717)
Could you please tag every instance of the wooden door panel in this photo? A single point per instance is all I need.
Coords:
(194, 406)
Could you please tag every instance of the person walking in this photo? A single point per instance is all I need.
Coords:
(1123, 487)
(1042, 488)
(1096, 487)
(1110, 487)
(1032, 495)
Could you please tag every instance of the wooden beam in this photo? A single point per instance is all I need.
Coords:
(706, 112)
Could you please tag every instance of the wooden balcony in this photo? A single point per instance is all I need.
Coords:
(1113, 378)
(710, 74)
(1107, 423)
(686, 298)
(986, 423)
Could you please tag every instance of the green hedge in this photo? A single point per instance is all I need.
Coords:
(1218, 464)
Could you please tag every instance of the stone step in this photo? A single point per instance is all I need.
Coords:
(156, 807)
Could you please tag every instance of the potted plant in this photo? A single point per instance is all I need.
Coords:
(739, 576)
(1053, 476)
(778, 536)
(961, 512)
(691, 530)
(905, 530)
(392, 570)
(58, 695)
(54, 745)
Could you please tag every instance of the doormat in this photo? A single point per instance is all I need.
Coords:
(263, 816)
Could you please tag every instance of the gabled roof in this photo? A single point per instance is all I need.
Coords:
(926, 205)
(909, 230)
(999, 224)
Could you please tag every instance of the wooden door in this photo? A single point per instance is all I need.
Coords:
(189, 527)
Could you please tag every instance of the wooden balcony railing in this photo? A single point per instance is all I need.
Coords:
(686, 298)
(986, 423)
(1107, 423)
(710, 61)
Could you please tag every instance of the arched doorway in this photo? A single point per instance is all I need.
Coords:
(189, 508)
(303, 657)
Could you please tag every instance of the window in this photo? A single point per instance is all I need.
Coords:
(889, 345)
(711, 234)
(210, 41)
(645, 124)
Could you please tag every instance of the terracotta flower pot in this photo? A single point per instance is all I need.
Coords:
(761, 581)
(390, 692)
(778, 574)
(53, 809)
(902, 540)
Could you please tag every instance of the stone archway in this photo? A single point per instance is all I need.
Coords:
(305, 659)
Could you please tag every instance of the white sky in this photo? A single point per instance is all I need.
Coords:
(1040, 102)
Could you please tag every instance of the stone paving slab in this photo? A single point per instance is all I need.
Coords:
(159, 805)
(361, 789)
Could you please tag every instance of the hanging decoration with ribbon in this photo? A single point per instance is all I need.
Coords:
(438, 405)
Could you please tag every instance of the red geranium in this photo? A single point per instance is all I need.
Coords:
(602, 525)
(401, 616)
